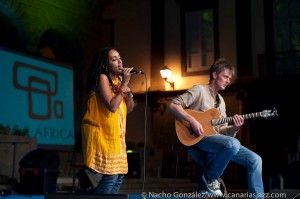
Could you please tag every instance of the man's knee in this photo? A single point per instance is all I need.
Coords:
(257, 160)
(233, 144)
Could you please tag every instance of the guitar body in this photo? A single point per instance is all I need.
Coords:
(184, 132)
(208, 119)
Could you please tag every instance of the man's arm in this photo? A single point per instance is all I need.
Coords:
(231, 130)
(178, 111)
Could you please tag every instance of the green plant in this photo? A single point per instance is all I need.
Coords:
(7, 130)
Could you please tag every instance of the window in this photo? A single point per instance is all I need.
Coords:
(287, 37)
(199, 38)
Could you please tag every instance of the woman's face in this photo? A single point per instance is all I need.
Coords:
(115, 62)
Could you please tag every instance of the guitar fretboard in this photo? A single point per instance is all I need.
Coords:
(230, 119)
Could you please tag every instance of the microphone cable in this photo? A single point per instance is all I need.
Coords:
(145, 136)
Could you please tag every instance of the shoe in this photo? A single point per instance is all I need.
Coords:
(213, 187)
(203, 194)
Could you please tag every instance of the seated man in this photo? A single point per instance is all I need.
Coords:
(221, 147)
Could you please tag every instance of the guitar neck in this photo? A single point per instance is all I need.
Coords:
(230, 119)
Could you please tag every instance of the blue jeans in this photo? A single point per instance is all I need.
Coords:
(109, 184)
(213, 154)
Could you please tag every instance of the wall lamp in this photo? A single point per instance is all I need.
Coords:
(166, 73)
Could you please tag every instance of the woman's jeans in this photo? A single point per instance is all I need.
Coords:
(109, 184)
(213, 153)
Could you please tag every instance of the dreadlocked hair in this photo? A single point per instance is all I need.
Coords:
(99, 65)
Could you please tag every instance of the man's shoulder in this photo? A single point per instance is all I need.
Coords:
(200, 86)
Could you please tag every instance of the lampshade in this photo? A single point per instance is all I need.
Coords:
(165, 72)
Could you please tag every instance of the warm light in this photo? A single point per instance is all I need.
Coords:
(165, 72)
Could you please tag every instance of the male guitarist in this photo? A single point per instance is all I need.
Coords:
(221, 147)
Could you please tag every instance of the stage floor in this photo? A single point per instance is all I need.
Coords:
(76, 196)
(275, 194)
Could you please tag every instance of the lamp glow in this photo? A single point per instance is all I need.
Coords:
(166, 73)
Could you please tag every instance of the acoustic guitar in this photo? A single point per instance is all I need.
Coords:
(209, 119)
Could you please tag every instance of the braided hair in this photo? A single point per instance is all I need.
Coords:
(99, 65)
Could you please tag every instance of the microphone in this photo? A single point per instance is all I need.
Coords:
(136, 72)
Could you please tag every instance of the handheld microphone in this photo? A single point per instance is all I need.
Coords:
(136, 72)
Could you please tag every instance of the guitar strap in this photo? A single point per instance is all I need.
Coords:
(218, 101)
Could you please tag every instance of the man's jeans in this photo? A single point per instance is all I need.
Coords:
(109, 184)
(213, 153)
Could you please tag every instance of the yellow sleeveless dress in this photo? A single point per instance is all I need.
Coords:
(103, 137)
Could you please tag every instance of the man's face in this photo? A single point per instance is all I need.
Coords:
(223, 79)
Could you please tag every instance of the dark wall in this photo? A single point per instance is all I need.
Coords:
(276, 138)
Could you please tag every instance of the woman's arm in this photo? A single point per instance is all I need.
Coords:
(129, 101)
(111, 102)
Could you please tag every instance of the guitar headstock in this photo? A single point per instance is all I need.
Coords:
(269, 113)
